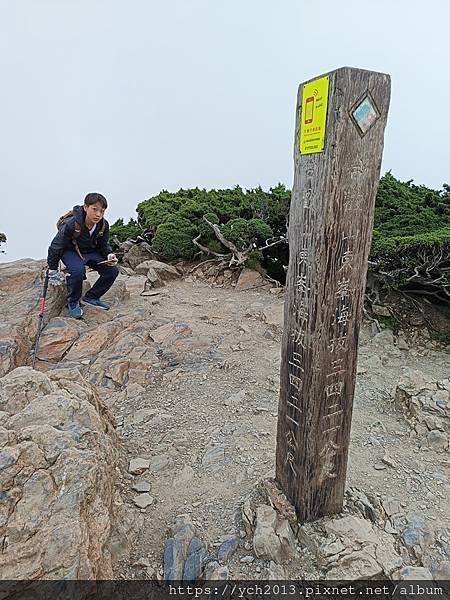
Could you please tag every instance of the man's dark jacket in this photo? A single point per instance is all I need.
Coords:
(86, 243)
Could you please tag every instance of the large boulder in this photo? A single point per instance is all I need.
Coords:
(92, 341)
(58, 337)
(249, 279)
(355, 549)
(137, 254)
(57, 473)
(21, 286)
(157, 273)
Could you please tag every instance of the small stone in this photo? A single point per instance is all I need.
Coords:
(275, 572)
(442, 571)
(387, 460)
(381, 311)
(141, 486)
(142, 562)
(379, 466)
(216, 572)
(150, 572)
(138, 466)
(385, 338)
(194, 562)
(413, 573)
(173, 560)
(417, 532)
(437, 440)
(143, 500)
(227, 549)
(247, 559)
(401, 343)
(389, 529)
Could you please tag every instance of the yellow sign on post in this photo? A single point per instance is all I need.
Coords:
(314, 116)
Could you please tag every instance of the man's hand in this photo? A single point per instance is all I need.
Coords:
(112, 260)
(55, 277)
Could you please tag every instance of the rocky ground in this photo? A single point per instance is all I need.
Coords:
(190, 372)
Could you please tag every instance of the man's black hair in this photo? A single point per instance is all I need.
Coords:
(93, 198)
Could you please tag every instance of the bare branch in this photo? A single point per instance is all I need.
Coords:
(238, 256)
(280, 241)
(210, 260)
(207, 250)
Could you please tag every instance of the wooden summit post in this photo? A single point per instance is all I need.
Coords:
(340, 122)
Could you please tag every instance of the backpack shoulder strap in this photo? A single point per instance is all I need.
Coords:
(103, 228)
(76, 231)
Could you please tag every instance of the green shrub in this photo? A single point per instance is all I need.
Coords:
(255, 261)
(403, 209)
(124, 232)
(411, 238)
(173, 239)
(248, 216)
(411, 227)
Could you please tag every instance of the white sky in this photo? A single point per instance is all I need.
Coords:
(128, 98)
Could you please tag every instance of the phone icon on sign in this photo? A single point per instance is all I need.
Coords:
(309, 110)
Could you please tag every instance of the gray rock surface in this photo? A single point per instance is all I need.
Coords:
(137, 254)
(273, 538)
(57, 477)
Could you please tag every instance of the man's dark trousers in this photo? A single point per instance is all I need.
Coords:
(77, 273)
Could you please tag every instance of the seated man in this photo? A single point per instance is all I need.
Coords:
(82, 239)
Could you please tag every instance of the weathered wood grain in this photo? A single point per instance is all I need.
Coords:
(330, 230)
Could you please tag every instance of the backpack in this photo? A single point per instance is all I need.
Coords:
(77, 230)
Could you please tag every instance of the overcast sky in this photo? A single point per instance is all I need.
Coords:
(128, 98)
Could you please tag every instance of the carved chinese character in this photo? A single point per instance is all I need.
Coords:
(301, 284)
(343, 315)
(301, 310)
(330, 430)
(330, 448)
(290, 461)
(293, 421)
(333, 410)
(296, 360)
(293, 406)
(357, 169)
(346, 259)
(300, 337)
(338, 344)
(295, 381)
(290, 441)
(334, 389)
(306, 197)
(343, 289)
(303, 256)
(336, 367)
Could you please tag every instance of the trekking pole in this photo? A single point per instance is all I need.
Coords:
(41, 317)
